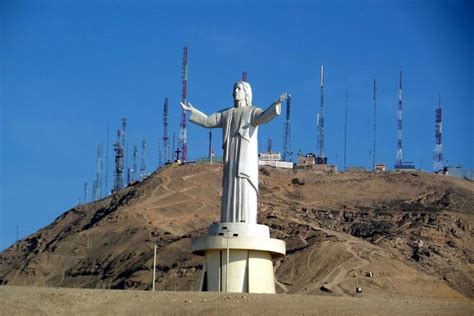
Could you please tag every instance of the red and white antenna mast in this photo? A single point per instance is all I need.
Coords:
(183, 132)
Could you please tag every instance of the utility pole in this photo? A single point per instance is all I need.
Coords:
(154, 268)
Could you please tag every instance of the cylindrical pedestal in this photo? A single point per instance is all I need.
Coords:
(236, 263)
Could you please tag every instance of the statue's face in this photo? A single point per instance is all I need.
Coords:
(239, 93)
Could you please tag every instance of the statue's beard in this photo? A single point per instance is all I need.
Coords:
(240, 104)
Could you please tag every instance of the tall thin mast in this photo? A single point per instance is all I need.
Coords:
(244, 76)
(183, 132)
(320, 119)
(166, 141)
(106, 185)
(124, 144)
(210, 144)
(143, 162)
(174, 142)
(375, 125)
(97, 183)
(134, 163)
(287, 151)
(345, 131)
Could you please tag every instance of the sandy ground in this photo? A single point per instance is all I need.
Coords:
(16, 300)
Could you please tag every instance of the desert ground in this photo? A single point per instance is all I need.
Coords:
(19, 300)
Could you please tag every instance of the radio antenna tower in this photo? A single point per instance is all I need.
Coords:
(174, 144)
(183, 132)
(320, 118)
(118, 180)
(375, 124)
(143, 163)
(97, 183)
(287, 152)
(244, 76)
(438, 151)
(345, 131)
(166, 139)
(269, 145)
(399, 158)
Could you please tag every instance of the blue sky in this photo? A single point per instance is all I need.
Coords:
(69, 68)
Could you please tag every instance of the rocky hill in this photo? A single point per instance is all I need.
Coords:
(395, 234)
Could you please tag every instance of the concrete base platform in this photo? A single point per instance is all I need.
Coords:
(237, 259)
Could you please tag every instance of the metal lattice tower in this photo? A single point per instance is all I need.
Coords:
(166, 139)
(118, 179)
(375, 124)
(143, 162)
(287, 151)
(97, 183)
(244, 76)
(320, 117)
(399, 158)
(183, 132)
(438, 150)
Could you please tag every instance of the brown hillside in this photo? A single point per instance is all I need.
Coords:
(396, 234)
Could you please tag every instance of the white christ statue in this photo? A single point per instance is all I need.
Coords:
(240, 144)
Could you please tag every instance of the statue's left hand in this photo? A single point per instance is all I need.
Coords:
(283, 97)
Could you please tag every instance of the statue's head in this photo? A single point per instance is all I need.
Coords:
(242, 91)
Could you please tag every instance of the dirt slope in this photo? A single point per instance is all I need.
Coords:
(396, 234)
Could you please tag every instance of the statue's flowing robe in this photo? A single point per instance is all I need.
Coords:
(240, 144)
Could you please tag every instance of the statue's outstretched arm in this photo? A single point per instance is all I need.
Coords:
(211, 121)
(262, 117)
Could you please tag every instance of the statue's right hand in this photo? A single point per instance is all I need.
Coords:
(187, 107)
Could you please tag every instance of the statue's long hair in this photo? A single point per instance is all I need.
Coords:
(247, 91)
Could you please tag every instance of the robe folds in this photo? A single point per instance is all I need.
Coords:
(240, 144)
